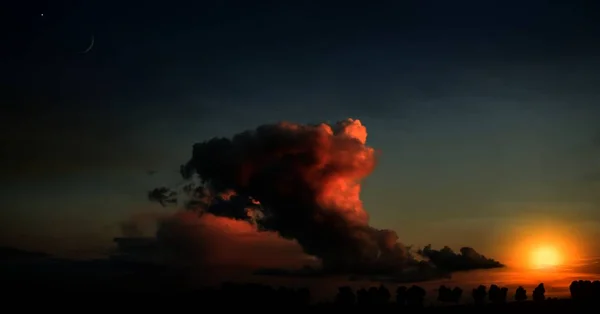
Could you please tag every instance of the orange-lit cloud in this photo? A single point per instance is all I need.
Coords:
(300, 182)
(220, 242)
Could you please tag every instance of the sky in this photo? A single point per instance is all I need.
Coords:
(485, 114)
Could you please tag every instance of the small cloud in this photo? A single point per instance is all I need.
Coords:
(467, 259)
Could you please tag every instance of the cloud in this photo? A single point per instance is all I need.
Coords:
(298, 182)
(211, 245)
(467, 259)
(223, 242)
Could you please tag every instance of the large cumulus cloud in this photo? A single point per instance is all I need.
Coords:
(302, 183)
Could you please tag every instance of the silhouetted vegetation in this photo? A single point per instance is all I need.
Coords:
(539, 293)
(520, 294)
(497, 295)
(479, 294)
(585, 291)
(415, 296)
(448, 295)
(373, 296)
(345, 296)
(153, 284)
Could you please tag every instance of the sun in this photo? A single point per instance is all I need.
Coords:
(545, 257)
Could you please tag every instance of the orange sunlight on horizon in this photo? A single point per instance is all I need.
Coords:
(546, 256)
(545, 246)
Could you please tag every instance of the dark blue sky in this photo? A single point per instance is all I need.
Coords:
(486, 112)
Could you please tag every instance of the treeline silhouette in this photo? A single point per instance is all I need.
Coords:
(415, 295)
(404, 297)
(585, 290)
(148, 288)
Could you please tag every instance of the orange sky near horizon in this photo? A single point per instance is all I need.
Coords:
(514, 240)
(556, 281)
(519, 239)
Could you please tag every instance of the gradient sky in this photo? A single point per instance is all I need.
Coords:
(486, 112)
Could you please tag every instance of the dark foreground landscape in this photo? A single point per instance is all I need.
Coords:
(108, 284)
(256, 297)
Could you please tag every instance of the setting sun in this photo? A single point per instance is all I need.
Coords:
(538, 244)
(545, 256)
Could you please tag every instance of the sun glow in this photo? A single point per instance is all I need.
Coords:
(545, 257)
(544, 245)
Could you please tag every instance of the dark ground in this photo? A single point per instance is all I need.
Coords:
(42, 282)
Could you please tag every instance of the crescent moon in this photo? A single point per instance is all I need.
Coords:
(90, 46)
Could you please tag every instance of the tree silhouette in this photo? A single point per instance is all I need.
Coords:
(383, 295)
(415, 296)
(446, 294)
(585, 290)
(497, 295)
(539, 293)
(401, 295)
(362, 296)
(479, 294)
(457, 294)
(520, 294)
(372, 296)
(345, 296)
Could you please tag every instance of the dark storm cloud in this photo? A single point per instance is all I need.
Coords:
(303, 182)
(466, 259)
